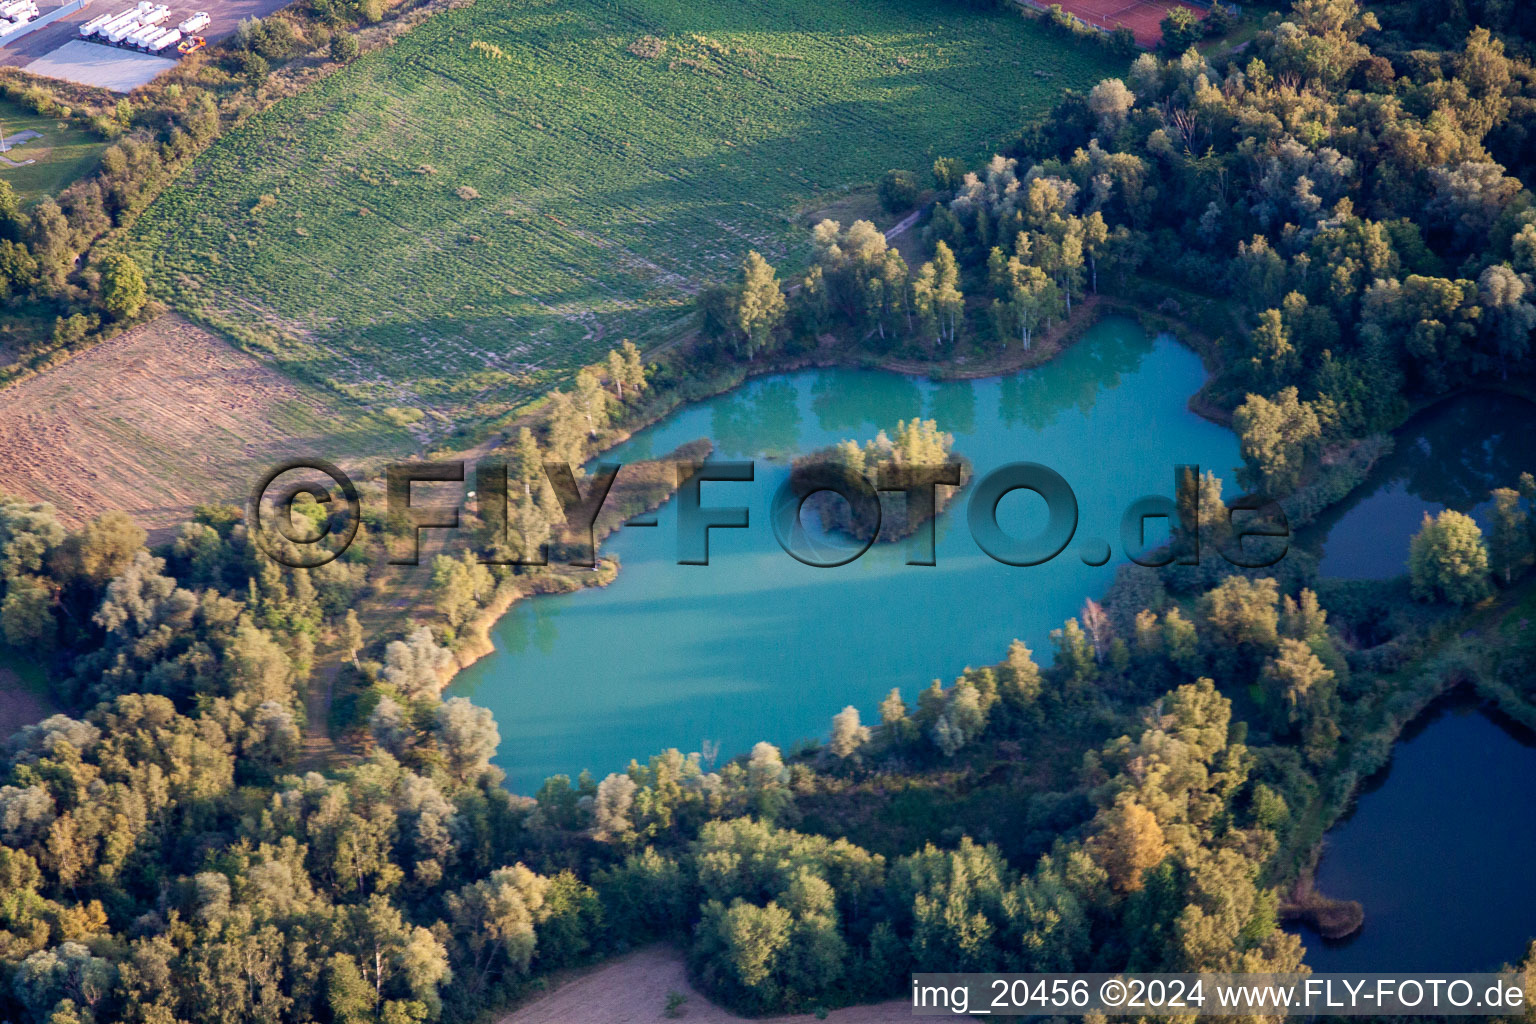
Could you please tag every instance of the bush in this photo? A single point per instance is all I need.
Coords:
(648, 47)
(327, 12)
(246, 32)
(123, 292)
(403, 416)
(72, 330)
(1448, 561)
(1181, 30)
(343, 48)
(898, 191)
(252, 66)
(948, 173)
(1057, 17)
(1218, 22)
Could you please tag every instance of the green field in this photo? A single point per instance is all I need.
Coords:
(456, 221)
(64, 153)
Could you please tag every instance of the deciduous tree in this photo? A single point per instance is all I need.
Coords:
(1448, 561)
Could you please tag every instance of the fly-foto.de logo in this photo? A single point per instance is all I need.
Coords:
(1250, 532)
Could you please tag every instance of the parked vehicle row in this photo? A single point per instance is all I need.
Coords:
(16, 13)
(143, 28)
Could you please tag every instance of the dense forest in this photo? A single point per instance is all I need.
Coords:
(1339, 213)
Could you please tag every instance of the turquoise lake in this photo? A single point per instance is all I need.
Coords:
(757, 646)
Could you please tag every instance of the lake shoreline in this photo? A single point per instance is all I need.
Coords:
(1341, 471)
(1334, 919)
(1089, 313)
(629, 498)
(1122, 374)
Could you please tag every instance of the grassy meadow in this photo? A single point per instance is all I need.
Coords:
(455, 222)
(64, 153)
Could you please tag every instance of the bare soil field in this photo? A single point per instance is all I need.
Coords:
(160, 419)
(634, 989)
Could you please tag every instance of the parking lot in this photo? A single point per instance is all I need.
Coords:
(46, 42)
(106, 67)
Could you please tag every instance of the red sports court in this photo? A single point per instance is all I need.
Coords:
(1143, 17)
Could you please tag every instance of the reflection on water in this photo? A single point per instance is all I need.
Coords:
(763, 419)
(877, 402)
(953, 403)
(757, 646)
(1438, 851)
(1449, 456)
(537, 629)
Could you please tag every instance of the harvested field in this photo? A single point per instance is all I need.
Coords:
(162, 418)
(633, 990)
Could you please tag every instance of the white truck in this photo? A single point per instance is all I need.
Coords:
(89, 28)
(120, 30)
(155, 16)
(170, 37)
(118, 21)
(18, 17)
(142, 35)
(123, 33)
(121, 18)
(196, 23)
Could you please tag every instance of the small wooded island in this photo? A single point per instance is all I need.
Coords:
(918, 443)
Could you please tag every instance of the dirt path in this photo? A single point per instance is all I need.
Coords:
(318, 750)
(906, 222)
(633, 990)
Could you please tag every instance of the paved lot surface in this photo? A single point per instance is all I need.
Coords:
(16, 140)
(109, 67)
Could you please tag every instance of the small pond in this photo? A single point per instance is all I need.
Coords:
(1438, 851)
(1449, 456)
